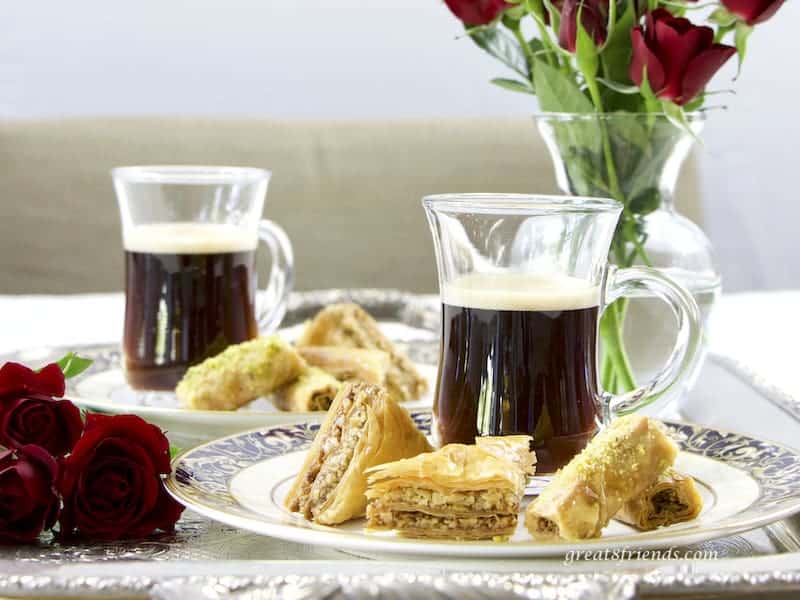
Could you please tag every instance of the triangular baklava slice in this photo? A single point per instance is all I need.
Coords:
(364, 427)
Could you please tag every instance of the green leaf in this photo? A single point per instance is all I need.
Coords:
(618, 87)
(695, 104)
(535, 8)
(557, 91)
(741, 35)
(174, 451)
(514, 85)
(650, 99)
(502, 46)
(616, 55)
(71, 364)
(646, 202)
(515, 12)
(586, 52)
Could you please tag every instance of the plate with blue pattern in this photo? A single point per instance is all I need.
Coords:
(241, 480)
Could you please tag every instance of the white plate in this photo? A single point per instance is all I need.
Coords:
(241, 480)
(103, 388)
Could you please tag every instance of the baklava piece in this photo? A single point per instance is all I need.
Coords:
(349, 325)
(347, 364)
(616, 466)
(458, 492)
(364, 427)
(240, 374)
(673, 498)
(314, 390)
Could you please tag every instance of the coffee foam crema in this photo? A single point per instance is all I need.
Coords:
(188, 238)
(518, 291)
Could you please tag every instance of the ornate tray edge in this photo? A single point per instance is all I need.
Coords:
(532, 585)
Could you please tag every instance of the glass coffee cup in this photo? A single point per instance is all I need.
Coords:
(523, 281)
(190, 236)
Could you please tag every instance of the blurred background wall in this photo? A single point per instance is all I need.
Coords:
(378, 59)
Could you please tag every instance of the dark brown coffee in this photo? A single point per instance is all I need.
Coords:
(508, 370)
(187, 304)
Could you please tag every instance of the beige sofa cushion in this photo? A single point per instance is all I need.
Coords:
(348, 193)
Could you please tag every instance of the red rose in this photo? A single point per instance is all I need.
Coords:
(681, 58)
(594, 17)
(111, 483)
(17, 379)
(753, 12)
(476, 12)
(30, 415)
(28, 499)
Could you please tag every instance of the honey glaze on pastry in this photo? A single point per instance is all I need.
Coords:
(457, 492)
(364, 427)
(617, 465)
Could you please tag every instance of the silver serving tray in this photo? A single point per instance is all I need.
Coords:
(203, 559)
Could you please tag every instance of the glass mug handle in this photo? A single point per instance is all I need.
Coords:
(632, 281)
(281, 278)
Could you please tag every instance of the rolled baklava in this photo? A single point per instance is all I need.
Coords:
(240, 374)
(364, 427)
(616, 466)
(458, 492)
(348, 364)
(313, 390)
(349, 325)
(673, 498)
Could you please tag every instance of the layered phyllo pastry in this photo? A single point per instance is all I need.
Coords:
(364, 427)
(313, 390)
(457, 492)
(620, 463)
(350, 326)
(240, 374)
(673, 498)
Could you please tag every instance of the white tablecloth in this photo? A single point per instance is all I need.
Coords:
(758, 329)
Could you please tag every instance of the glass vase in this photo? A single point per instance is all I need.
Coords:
(636, 159)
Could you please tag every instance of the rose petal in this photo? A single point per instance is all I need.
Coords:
(702, 68)
(16, 378)
(150, 437)
(753, 12)
(111, 482)
(643, 56)
(38, 419)
(28, 502)
(476, 12)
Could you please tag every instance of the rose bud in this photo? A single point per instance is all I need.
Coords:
(28, 499)
(476, 12)
(753, 12)
(30, 415)
(594, 18)
(111, 483)
(681, 58)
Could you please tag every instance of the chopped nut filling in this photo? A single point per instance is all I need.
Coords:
(546, 526)
(666, 502)
(425, 500)
(338, 457)
(454, 526)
